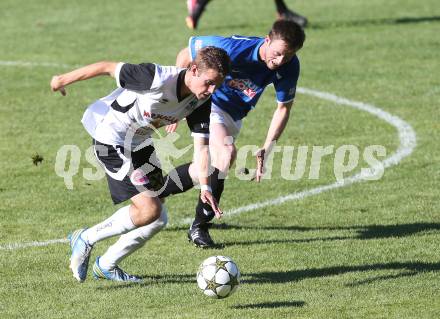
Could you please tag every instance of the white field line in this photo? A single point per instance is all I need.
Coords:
(36, 64)
(407, 138)
(15, 246)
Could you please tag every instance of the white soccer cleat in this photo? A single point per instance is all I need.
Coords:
(115, 274)
(79, 260)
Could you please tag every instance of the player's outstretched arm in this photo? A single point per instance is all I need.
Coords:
(201, 161)
(59, 82)
(277, 125)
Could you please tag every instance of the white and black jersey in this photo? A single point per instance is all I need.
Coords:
(147, 97)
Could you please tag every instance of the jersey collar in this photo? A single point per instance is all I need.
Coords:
(180, 81)
(255, 53)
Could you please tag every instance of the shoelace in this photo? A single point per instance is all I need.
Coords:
(87, 251)
(120, 274)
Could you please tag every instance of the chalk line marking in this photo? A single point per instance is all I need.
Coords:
(15, 246)
(407, 139)
(36, 64)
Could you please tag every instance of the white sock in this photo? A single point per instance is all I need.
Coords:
(132, 241)
(117, 224)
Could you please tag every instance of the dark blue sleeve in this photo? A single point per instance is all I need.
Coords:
(285, 81)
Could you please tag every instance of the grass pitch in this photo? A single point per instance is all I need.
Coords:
(368, 250)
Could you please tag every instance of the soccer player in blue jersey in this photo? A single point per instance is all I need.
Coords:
(256, 63)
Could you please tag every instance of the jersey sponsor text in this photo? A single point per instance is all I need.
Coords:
(244, 85)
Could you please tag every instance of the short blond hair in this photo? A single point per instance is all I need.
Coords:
(212, 58)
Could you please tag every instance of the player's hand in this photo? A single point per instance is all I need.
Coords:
(56, 85)
(207, 198)
(171, 128)
(260, 164)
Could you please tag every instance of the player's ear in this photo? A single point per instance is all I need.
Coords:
(194, 71)
(267, 40)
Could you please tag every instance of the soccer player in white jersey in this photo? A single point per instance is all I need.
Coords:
(256, 63)
(148, 96)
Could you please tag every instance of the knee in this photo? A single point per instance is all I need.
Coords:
(224, 155)
(233, 153)
(228, 151)
(146, 212)
(151, 210)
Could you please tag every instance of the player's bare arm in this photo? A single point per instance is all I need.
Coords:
(59, 82)
(183, 58)
(201, 162)
(276, 128)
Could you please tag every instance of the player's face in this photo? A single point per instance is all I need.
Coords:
(205, 82)
(277, 53)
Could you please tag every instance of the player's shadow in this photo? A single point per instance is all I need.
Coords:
(407, 269)
(372, 22)
(271, 305)
(361, 232)
(149, 280)
(385, 231)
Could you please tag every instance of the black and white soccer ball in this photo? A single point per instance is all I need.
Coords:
(218, 277)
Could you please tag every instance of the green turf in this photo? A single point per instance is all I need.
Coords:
(369, 250)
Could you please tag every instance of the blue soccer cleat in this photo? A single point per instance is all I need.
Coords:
(79, 260)
(115, 274)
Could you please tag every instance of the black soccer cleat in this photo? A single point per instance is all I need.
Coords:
(199, 235)
(293, 16)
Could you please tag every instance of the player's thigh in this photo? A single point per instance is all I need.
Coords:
(219, 135)
(130, 173)
(221, 146)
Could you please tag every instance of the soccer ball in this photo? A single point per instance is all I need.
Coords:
(218, 277)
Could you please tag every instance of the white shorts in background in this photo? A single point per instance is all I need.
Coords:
(221, 117)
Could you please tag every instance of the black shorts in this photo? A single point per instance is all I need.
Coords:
(129, 173)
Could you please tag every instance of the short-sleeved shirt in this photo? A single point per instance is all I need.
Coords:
(241, 89)
(147, 97)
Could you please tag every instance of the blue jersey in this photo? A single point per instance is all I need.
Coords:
(241, 89)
